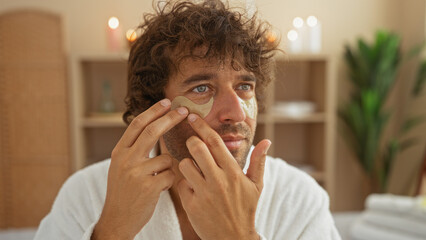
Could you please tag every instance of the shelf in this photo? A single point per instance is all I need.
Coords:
(311, 118)
(304, 57)
(103, 120)
(101, 56)
(282, 118)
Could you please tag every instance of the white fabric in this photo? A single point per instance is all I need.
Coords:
(391, 217)
(412, 206)
(400, 222)
(363, 230)
(292, 206)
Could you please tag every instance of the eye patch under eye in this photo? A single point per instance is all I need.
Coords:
(202, 110)
(249, 106)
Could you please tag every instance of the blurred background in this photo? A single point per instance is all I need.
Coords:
(350, 78)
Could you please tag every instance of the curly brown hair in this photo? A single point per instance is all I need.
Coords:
(181, 27)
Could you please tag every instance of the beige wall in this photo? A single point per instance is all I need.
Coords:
(342, 20)
(84, 20)
(406, 170)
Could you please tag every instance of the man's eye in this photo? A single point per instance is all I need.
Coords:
(245, 87)
(200, 89)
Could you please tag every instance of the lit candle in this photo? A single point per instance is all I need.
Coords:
(294, 42)
(131, 36)
(114, 34)
(271, 37)
(298, 22)
(301, 29)
(314, 34)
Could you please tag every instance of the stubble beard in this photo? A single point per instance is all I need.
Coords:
(175, 140)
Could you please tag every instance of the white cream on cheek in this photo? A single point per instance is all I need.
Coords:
(249, 106)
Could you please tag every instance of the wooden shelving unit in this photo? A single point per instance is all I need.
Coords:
(94, 133)
(307, 141)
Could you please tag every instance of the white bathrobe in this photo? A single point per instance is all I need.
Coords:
(292, 206)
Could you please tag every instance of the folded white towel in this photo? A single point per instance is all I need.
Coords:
(362, 230)
(402, 222)
(413, 206)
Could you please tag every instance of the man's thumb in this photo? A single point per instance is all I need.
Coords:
(257, 162)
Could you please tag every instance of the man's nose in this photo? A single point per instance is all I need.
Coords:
(229, 107)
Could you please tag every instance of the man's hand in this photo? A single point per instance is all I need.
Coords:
(220, 201)
(135, 181)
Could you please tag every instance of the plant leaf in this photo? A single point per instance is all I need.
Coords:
(411, 123)
(420, 80)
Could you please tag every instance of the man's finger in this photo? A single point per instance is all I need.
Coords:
(158, 164)
(139, 123)
(150, 135)
(185, 192)
(257, 163)
(214, 142)
(201, 155)
(164, 180)
(191, 173)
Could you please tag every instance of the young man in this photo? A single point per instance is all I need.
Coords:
(175, 174)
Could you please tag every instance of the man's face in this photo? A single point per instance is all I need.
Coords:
(199, 81)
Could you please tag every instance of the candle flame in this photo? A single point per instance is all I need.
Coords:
(312, 21)
(271, 37)
(113, 23)
(131, 35)
(292, 35)
(298, 22)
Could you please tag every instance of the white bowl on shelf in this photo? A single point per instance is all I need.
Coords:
(296, 109)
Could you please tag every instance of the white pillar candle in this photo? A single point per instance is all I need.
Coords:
(302, 32)
(114, 35)
(304, 37)
(315, 35)
(294, 42)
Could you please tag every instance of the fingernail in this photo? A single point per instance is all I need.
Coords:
(165, 102)
(266, 150)
(182, 111)
(192, 117)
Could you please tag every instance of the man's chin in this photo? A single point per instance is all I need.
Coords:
(240, 154)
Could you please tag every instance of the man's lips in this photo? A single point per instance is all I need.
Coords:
(233, 142)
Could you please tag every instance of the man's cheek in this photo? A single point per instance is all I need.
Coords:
(175, 140)
(183, 130)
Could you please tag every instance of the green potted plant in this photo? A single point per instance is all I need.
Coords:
(373, 69)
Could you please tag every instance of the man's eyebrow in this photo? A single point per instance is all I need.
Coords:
(198, 77)
(248, 78)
